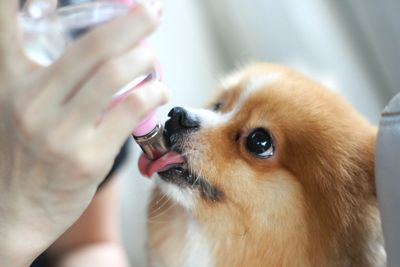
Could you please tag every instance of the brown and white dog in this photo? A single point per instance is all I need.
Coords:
(277, 171)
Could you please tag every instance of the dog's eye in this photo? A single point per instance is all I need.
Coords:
(259, 142)
(217, 106)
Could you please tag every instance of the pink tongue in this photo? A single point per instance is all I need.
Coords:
(148, 167)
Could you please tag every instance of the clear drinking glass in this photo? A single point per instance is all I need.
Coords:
(46, 37)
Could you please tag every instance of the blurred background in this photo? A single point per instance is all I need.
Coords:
(350, 46)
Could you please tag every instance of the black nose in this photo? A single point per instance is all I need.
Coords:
(181, 119)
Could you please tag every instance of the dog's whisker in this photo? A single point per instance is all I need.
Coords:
(152, 219)
(155, 208)
(154, 213)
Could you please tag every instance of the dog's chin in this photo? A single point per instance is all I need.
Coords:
(186, 179)
(180, 176)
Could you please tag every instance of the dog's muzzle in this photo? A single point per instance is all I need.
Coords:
(181, 121)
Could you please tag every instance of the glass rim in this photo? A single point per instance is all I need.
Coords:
(73, 16)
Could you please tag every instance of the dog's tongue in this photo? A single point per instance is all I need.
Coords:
(148, 167)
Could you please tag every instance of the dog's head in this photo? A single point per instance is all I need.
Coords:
(273, 150)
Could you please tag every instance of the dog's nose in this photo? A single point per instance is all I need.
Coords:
(181, 119)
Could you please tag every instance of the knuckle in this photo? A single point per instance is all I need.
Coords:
(158, 93)
(25, 123)
(111, 74)
(164, 95)
(85, 164)
(147, 98)
(135, 104)
(137, 100)
(53, 146)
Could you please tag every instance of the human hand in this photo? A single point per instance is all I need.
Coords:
(56, 140)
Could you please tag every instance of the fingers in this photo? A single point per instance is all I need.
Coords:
(96, 94)
(98, 46)
(8, 12)
(11, 54)
(121, 120)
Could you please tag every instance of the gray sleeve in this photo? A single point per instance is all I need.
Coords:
(388, 178)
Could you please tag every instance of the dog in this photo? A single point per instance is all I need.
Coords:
(275, 171)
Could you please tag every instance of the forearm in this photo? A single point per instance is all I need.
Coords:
(20, 244)
(24, 231)
(17, 252)
(98, 254)
(94, 240)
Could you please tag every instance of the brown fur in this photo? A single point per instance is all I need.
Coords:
(312, 204)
